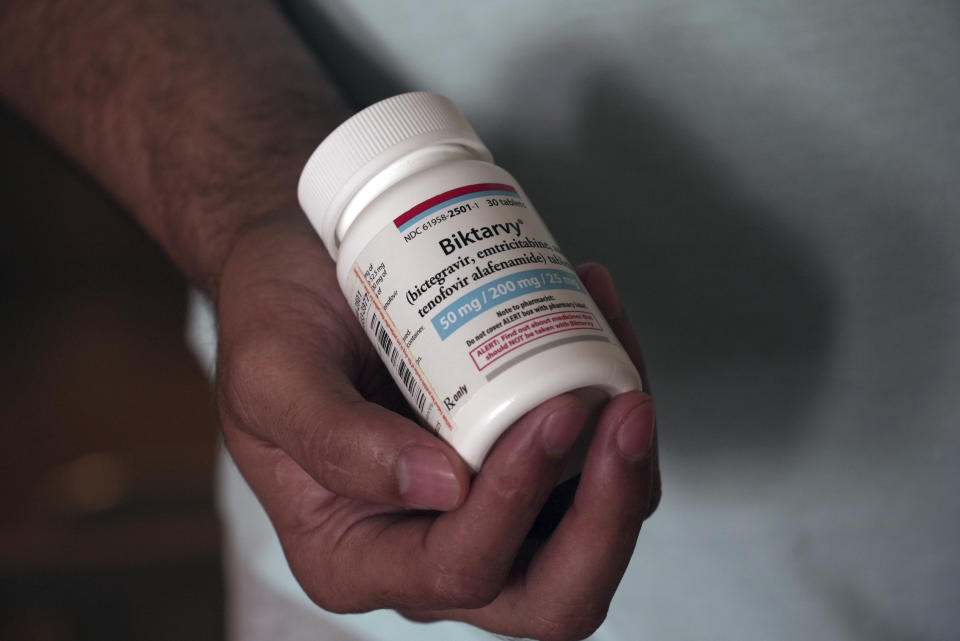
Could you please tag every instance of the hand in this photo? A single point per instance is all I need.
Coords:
(375, 512)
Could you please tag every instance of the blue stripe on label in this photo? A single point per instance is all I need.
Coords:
(453, 201)
(475, 302)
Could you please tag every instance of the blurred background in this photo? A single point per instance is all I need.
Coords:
(774, 187)
(107, 527)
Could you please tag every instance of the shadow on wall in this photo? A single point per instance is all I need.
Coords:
(363, 76)
(735, 316)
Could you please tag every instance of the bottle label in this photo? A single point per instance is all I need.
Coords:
(463, 287)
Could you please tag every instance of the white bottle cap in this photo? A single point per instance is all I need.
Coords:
(368, 143)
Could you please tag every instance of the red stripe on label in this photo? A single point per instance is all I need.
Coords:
(447, 195)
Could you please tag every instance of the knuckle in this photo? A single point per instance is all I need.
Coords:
(461, 586)
(464, 592)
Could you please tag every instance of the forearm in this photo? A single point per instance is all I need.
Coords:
(196, 116)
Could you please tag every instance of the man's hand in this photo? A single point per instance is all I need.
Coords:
(375, 512)
(198, 116)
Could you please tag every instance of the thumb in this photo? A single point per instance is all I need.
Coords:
(354, 448)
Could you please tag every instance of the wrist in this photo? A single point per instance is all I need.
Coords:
(260, 249)
(217, 219)
(224, 191)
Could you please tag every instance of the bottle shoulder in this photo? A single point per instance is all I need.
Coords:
(408, 193)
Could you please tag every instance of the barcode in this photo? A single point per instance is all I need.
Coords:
(393, 354)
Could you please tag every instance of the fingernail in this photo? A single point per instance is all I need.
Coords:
(635, 438)
(561, 428)
(426, 478)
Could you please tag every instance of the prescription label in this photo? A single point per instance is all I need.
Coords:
(462, 287)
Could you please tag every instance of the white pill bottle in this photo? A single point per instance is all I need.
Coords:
(468, 299)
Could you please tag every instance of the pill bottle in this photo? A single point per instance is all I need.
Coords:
(464, 293)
